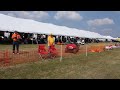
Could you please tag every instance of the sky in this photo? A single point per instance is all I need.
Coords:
(103, 22)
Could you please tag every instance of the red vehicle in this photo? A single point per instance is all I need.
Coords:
(72, 48)
(44, 53)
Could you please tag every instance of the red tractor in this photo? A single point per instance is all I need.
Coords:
(72, 48)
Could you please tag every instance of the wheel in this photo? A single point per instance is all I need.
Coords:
(77, 49)
(74, 51)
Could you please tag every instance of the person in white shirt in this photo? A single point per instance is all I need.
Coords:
(6, 34)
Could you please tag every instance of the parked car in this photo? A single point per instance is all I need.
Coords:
(80, 42)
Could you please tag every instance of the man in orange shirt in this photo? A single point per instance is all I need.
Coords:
(16, 37)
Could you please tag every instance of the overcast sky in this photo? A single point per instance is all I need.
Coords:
(102, 22)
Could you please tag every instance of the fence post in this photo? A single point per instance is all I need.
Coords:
(61, 50)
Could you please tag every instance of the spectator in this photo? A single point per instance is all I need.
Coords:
(51, 40)
(16, 37)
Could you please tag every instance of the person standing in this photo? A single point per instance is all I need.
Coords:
(16, 38)
(51, 41)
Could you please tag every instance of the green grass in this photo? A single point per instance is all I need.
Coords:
(105, 65)
(24, 46)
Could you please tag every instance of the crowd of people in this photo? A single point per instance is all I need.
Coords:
(30, 38)
(17, 38)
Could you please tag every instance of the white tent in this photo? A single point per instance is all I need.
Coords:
(8, 23)
(108, 37)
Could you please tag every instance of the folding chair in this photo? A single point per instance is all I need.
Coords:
(53, 51)
(42, 52)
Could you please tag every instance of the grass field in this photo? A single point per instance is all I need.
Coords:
(104, 65)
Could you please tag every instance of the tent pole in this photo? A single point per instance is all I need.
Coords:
(32, 40)
(37, 41)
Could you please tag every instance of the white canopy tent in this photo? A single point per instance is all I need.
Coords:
(8, 23)
(108, 37)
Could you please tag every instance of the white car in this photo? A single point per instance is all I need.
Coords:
(79, 42)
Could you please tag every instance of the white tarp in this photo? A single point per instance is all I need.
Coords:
(8, 23)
